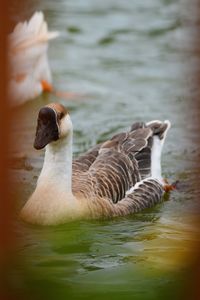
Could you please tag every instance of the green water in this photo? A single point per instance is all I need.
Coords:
(127, 58)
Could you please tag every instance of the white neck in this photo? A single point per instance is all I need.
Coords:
(52, 202)
(57, 167)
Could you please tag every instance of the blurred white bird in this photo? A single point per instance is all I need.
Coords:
(29, 71)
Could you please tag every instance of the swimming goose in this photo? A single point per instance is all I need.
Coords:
(115, 178)
(29, 69)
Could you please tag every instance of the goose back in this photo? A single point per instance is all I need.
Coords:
(111, 169)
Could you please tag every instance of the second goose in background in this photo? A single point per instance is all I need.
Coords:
(29, 71)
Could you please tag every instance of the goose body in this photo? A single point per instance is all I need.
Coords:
(116, 178)
(29, 71)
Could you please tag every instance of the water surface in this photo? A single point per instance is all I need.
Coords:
(127, 58)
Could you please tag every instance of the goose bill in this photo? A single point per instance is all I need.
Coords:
(47, 128)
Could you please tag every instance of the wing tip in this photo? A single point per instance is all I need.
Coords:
(159, 128)
(168, 124)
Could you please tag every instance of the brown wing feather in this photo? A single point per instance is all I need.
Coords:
(110, 169)
(83, 162)
(148, 193)
(114, 171)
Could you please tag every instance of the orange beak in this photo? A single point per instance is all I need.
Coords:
(46, 86)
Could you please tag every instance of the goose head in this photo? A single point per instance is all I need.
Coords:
(53, 124)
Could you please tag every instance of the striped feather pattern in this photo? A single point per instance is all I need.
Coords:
(83, 162)
(148, 193)
(113, 168)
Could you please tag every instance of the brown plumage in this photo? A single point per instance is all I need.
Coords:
(112, 168)
(115, 178)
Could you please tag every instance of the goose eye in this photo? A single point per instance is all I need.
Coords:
(60, 115)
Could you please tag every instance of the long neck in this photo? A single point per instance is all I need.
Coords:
(57, 167)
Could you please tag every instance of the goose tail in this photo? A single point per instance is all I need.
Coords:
(32, 32)
(145, 194)
(160, 130)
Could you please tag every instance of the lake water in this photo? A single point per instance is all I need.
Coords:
(128, 59)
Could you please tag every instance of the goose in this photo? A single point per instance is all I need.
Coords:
(118, 177)
(29, 71)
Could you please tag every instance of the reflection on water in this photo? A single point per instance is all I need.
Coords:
(125, 57)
